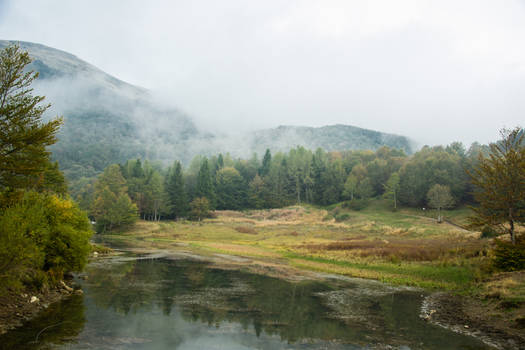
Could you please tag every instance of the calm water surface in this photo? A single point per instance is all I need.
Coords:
(144, 303)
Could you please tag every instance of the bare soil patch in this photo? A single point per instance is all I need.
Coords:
(480, 318)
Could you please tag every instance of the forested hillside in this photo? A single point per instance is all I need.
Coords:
(329, 138)
(108, 121)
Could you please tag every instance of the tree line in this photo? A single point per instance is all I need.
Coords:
(148, 190)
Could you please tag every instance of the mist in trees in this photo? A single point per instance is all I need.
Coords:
(298, 176)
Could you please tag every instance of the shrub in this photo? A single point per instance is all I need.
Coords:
(508, 256)
(42, 232)
(328, 217)
(356, 204)
(342, 217)
(246, 229)
(488, 232)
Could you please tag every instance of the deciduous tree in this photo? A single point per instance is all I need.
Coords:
(112, 206)
(439, 197)
(200, 208)
(392, 188)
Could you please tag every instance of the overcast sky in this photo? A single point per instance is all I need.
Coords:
(436, 71)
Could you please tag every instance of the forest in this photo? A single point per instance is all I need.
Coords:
(148, 190)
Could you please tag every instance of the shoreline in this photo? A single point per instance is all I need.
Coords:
(466, 315)
(17, 308)
(460, 314)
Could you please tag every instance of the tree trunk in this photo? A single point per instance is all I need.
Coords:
(395, 201)
(511, 230)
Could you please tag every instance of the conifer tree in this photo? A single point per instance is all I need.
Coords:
(175, 192)
(205, 184)
(499, 182)
(24, 135)
(231, 189)
(266, 162)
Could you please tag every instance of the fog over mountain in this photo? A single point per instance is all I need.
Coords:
(108, 120)
(436, 71)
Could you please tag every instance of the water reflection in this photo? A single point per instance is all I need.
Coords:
(183, 304)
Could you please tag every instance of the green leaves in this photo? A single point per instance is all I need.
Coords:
(112, 207)
(42, 231)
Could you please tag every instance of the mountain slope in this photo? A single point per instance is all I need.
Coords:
(107, 121)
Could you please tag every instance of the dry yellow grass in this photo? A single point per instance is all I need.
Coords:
(371, 244)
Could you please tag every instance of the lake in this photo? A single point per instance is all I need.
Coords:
(142, 302)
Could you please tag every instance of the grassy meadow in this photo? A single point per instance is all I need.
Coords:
(403, 247)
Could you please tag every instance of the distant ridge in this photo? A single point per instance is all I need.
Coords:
(331, 138)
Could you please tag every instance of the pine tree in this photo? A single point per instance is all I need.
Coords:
(175, 192)
(499, 182)
(24, 135)
(230, 189)
(266, 162)
(205, 184)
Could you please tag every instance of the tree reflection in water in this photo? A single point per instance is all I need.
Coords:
(183, 304)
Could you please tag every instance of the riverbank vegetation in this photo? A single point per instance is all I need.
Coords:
(406, 247)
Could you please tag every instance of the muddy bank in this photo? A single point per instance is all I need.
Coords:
(475, 317)
(16, 308)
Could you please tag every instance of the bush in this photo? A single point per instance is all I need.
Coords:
(508, 256)
(342, 217)
(328, 217)
(488, 232)
(42, 233)
(246, 229)
(357, 204)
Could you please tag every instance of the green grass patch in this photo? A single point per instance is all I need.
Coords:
(414, 274)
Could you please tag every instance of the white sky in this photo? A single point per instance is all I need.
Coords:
(436, 71)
